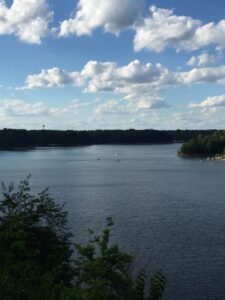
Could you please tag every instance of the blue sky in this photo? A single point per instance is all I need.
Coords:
(97, 64)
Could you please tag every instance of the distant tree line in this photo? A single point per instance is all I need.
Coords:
(205, 145)
(21, 138)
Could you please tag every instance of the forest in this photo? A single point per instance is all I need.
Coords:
(205, 145)
(21, 138)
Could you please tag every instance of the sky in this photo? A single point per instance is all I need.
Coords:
(112, 64)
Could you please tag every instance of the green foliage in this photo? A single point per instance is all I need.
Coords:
(205, 145)
(36, 251)
(139, 288)
(157, 287)
(35, 246)
(103, 272)
(103, 269)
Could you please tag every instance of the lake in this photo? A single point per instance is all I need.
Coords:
(168, 211)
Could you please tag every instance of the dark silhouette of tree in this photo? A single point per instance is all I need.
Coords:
(35, 245)
(20, 138)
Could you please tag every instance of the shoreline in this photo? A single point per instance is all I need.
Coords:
(202, 156)
(220, 157)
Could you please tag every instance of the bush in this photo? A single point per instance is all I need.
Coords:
(35, 244)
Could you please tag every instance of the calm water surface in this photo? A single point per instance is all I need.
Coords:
(168, 211)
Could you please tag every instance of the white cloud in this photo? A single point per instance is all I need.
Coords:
(27, 19)
(204, 59)
(99, 75)
(210, 102)
(135, 80)
(112, 106)
(133, 106)
(105, 76)
(16, 107)
(212, 111)
(54, 77)
(165, 29)
(145, 101)
(136, 72)
(152, 103)
(203, 75)
(135, 77)
(113, 15)
(17, 113)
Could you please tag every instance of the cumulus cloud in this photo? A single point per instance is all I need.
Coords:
(105, 76)
(210, 102)
(16, 107)
(133, 106)
(17, 113)
(165, 29)
(203, 75)
(204, 59)
(134, 80)
(152, 103)
(137, 79)
(113, 15)
(25, 109)
(112, 106)
(131, 78)
(27, 19)
(54, 77)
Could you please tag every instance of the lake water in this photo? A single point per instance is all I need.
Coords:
(168, 211)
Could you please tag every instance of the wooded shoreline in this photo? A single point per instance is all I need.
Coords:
(210, 145)
(21, 139)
